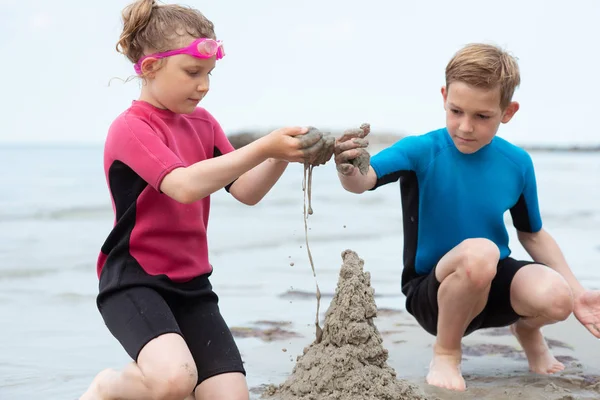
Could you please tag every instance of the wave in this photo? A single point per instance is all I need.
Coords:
(304, 295)
(297, 239)
(69, 213)
(75, 298)
(36, 272)
(8, 274)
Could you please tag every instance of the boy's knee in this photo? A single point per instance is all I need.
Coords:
(175, 384)
(479, 261)
(481, 250)
(559, 304)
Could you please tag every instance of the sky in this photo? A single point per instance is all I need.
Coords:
(333, 64)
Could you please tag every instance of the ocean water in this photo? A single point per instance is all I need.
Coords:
(55, 214)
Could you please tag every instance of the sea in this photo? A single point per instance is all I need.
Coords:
(55, 213)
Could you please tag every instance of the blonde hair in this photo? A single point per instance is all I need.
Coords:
(485, 66)
(148, 26)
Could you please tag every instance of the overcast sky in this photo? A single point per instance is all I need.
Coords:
(328, 63)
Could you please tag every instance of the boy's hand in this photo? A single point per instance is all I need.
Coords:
(587, 310)
(293, 144)
(350, 151)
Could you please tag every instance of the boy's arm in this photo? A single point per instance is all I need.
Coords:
(358, 172)
(543, 249)
(586, 303)
(355, 182)
(538, 243)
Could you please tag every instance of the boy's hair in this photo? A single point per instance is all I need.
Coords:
(485, 66)
(148, 26)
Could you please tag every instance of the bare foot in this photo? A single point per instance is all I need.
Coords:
(444, 372)
(541, 361)
(95, 391)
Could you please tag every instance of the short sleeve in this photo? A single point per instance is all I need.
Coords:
(133, 142)
(390, 163)
(222, 143)
(526, 212)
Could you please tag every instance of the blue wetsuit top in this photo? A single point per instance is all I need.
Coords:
(448, 196)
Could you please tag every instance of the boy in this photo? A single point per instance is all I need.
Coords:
(456, 185)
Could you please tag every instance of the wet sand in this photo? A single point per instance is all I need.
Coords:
(494, 365)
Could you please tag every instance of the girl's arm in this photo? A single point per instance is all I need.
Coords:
(251, 187)
(199, 180)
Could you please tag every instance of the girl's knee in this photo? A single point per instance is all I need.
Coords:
(175, 384)
(228, 386)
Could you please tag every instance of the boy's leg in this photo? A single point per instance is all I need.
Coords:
(464, 274)
(543, 297)
(142, 321)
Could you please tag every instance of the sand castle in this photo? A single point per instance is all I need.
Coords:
(350, 362)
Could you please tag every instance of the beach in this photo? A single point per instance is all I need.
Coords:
(494, 365)
(56, 217)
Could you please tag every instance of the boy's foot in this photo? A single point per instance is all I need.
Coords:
(541, 361)
(95, 391)
(444, 372)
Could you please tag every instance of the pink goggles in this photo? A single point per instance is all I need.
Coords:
(200, 48)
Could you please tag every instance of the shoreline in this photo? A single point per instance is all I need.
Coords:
(240, 139)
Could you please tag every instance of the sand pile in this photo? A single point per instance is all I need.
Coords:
(350, 362)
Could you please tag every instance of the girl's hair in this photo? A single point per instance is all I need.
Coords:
(149, 27)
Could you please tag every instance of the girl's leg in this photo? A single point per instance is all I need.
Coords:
(228, 386)
(165, 371)
(142, 321)
(221, 374)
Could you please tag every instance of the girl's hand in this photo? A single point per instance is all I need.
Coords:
(293, 144)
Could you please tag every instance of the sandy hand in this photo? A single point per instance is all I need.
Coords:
(292, 144)
(320, 152)
(351, 153)
(587, 310)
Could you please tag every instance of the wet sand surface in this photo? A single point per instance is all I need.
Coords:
(494, 365)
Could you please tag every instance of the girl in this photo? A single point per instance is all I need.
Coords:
(163, 158)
